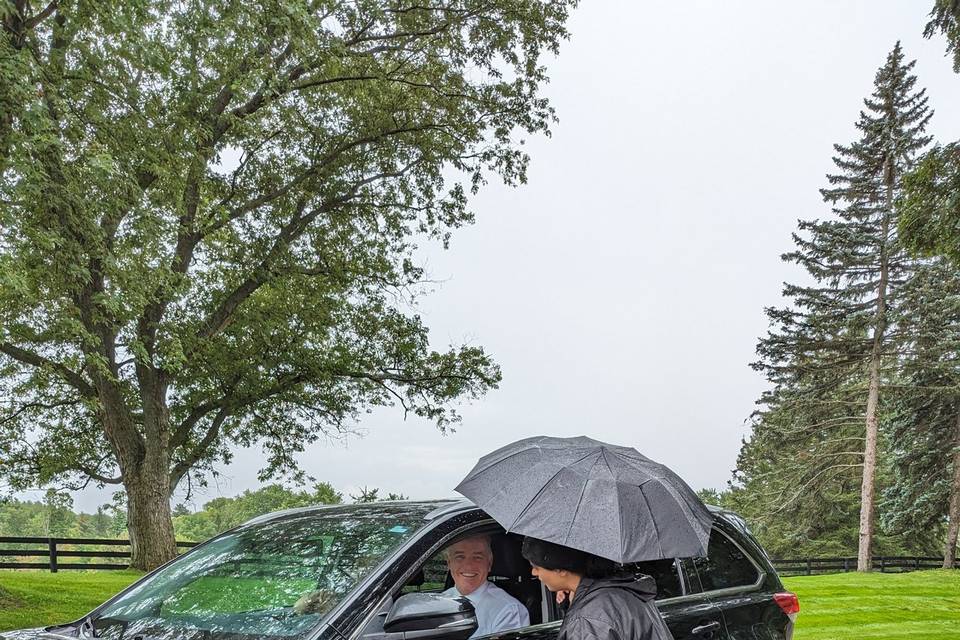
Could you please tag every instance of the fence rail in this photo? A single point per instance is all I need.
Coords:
(53, 549)
(883, 564)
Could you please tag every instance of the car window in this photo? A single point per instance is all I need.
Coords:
(274, 579)
(430, 578)
(725, 565)
(665, 574)
(509, 571)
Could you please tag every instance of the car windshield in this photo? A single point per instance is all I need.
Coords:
(277, 578)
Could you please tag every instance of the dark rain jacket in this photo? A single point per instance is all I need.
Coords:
(614, 609)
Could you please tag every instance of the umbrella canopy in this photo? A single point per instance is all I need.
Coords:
(607, 500)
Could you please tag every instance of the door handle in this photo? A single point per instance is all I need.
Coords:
(710, 627)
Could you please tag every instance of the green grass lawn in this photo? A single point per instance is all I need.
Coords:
(923, 605)
(224, 594)
(38, 598)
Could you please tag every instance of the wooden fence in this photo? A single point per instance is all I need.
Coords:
(883, 564)
(15, 551)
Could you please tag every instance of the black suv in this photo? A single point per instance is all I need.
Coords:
(374, 572)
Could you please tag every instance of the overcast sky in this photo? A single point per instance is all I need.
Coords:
(622, 289)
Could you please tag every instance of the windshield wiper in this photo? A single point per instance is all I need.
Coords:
(87, 625)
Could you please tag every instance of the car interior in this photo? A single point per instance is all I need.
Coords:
(511, 572)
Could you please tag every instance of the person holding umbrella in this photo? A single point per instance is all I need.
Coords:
(603, 605)
(580, 501)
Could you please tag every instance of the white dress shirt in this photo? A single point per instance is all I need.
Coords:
(496, 609)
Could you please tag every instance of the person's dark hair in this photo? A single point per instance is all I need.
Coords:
(554, 557)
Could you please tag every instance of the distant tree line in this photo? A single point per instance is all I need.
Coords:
(855, 445)
(54, 515)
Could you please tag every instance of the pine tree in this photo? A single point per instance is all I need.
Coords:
(925, 433)
(828, 353)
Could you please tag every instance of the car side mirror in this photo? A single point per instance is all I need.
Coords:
(423, 616)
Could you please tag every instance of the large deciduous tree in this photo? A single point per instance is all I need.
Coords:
(837, 332)
(209, 213)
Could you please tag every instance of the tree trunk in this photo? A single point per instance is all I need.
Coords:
(144, 467)
(868, 485)
(868, 488)
(149, 520)
(950, 551)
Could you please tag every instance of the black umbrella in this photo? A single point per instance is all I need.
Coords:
(581, 493)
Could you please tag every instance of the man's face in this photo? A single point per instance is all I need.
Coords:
(469, 562)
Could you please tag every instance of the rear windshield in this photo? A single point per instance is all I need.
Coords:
(278, 578)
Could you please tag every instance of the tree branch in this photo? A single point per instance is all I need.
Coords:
(223, 314)
(98, 477)
(182, 432)
(393, 377)
(213, 432)
(40, 17)
(38, 405)
(312, 171)
(69, 376)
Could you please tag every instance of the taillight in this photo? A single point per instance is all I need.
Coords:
(789, 602)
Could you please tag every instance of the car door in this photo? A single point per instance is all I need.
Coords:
(688, 613)
(736, 584)
(421, 569)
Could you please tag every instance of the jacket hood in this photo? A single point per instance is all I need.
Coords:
(642, 587)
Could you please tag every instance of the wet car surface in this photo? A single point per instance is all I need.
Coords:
(347, 572)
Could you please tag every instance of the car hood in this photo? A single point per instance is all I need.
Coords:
(34, 634)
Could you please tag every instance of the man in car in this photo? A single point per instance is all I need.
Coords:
(469, 561)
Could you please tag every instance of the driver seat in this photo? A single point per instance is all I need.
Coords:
(511, 572)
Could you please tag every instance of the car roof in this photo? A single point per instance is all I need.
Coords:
(439, 507)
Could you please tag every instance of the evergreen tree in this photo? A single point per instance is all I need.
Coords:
(827, 353)
(925, 433)
(930, 224)
(373, 495)
(930, 219)
(945, 19)
(798, 477)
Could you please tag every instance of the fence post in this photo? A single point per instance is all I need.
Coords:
(916, 563)
(846, 565)
(53, 555)
(809, 567)
(883, 564)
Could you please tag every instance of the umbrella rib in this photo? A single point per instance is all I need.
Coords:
(544, 487)
(603, 452)
(679, 499)
(652, 520)
(493, 464)
(566, 537)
